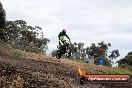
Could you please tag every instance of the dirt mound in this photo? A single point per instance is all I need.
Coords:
(11, 78)
(40, 71)
(35, 74)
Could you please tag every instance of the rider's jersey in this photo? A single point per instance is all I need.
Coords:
(61, 36)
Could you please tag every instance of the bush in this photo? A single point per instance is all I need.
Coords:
(126, 66)
(8, 46)
(19, 53)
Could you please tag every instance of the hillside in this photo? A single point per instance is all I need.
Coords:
(41, 71)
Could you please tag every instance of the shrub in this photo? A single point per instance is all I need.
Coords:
(19, 53)
(8, 46)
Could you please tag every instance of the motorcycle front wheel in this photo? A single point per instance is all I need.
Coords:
(58, 55)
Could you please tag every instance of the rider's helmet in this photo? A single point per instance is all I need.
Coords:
(64, 30)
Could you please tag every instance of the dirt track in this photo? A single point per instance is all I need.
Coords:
(55, 75)
(49, 73)
(39, 71)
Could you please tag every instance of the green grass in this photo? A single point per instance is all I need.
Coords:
(110, 70)
(8, 46)
(104, 69)
(118, 71)
(19, 53)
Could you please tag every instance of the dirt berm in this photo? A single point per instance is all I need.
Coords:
(41, 71)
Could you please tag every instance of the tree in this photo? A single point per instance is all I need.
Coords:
(77, 50)
(53, 53)
(127, 59)
(32, 37)
(74, 50)
(80, 48)
(126, 62)
(100, 51)
(24, 37)
(12, 31)
(114, 54)
(93, 50)
(2, 22)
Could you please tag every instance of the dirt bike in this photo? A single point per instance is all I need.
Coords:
(64, 49)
